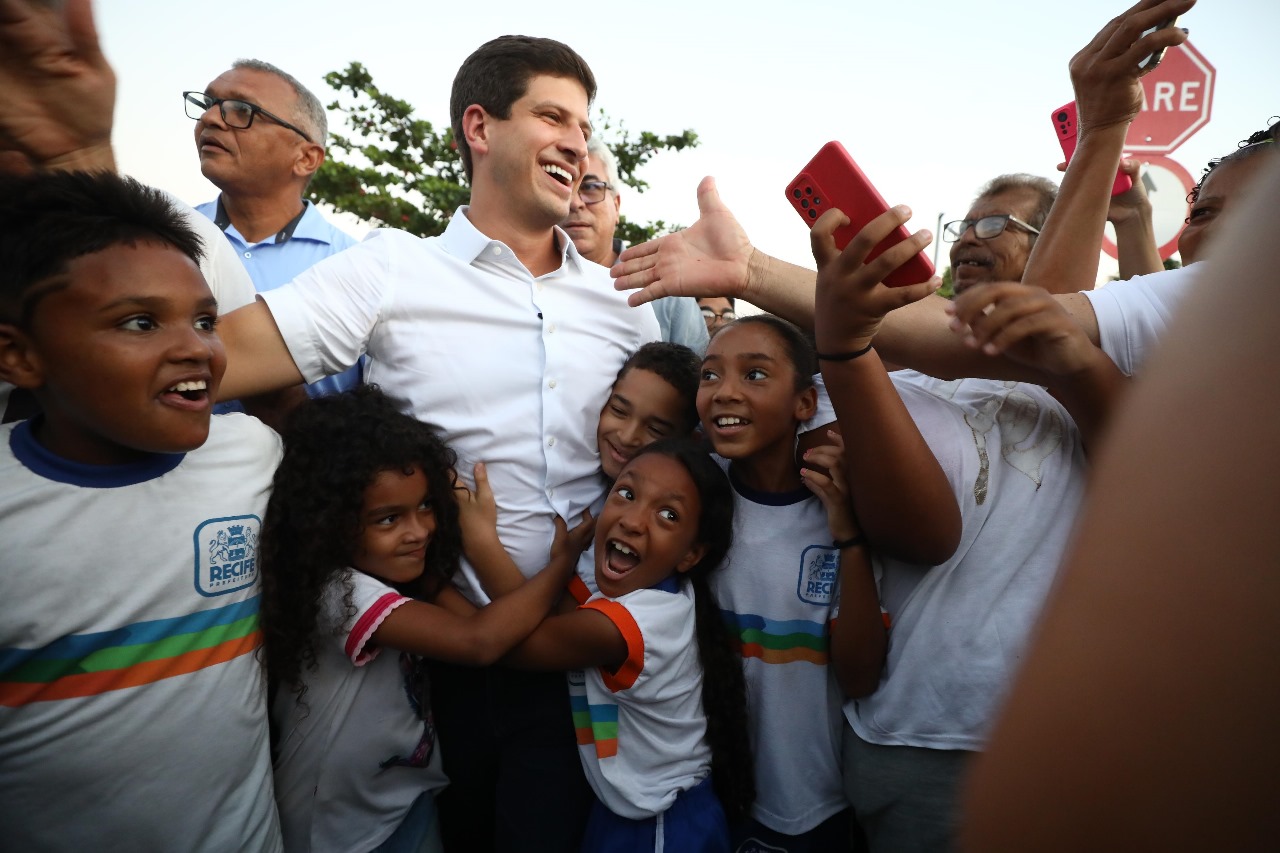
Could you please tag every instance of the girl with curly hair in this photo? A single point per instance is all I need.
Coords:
(362, 526)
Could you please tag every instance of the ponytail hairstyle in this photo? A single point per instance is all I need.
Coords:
(724, 690)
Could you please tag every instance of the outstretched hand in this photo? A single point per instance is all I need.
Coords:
(58, 89)
(709, 258)
(1026, 324)
(851, 298)
(1105, 73)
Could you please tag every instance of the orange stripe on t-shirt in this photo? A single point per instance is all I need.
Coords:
(630, 669)
(147, 672)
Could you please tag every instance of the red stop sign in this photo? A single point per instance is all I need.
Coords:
(1177, 97)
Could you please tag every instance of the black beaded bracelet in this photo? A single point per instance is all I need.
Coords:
(848, 543)
(844, 356)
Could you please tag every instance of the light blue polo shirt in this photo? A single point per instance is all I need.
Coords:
(305, 241)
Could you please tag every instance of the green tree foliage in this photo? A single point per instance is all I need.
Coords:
(398, 171)
(948, 288)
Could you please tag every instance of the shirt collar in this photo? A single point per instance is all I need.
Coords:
(310, 230)
(463, 240)
(40, 460)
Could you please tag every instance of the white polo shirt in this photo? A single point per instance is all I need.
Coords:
(514, 369)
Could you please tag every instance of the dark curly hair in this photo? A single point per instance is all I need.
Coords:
(1257, 143)
(678, 366)
(724, 690)
(334, 447)
(47, 220)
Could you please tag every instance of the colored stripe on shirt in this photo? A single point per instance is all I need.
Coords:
(90, 664)
(777, 641)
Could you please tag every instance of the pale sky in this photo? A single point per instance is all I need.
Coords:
(931, 98)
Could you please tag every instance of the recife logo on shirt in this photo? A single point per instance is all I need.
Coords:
(227, 554)
(819, 568)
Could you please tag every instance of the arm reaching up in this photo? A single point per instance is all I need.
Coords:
(902, 498)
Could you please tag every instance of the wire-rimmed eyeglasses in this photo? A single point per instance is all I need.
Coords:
(984, 228)
(593, 192)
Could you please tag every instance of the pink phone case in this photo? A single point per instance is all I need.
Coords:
(832, 179)
(1064, 122)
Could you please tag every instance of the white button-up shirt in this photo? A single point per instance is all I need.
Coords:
(514, 369)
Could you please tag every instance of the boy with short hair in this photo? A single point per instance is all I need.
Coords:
(132, 707)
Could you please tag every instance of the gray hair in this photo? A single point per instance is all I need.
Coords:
(309, 113)
(596, 148)
(1046, 192)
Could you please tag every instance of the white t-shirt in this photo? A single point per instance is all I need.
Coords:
(960, 630)
(776, 589)
(133, 711)
(514, 369)
(1133, 314)
(642, 730)
(360, 748)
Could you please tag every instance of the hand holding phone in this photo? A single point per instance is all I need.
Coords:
(832, 179)
(1151, 60)
(1064, 122)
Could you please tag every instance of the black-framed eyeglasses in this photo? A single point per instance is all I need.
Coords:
(984, 228)
(235, 112)
(728, 315)
(593, 192)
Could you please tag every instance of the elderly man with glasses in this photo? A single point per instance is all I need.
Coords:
(260, 136)
(994, 240)
(592, 220)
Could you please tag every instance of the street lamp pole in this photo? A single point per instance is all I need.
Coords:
(937, 240)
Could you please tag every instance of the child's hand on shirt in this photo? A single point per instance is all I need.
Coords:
(477, 513)
(851, 301)
(568, 544)
(831, 488)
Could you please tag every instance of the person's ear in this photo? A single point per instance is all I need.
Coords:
(19, 361)
(310, 157)
(476, 125)
(806, 404)
(689, 560)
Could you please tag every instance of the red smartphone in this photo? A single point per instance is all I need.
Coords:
(832, 179)
(1064, 122)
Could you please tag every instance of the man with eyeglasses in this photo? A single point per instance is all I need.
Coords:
(994, 240)
(717, 312)
(592, 220)
(260, 135)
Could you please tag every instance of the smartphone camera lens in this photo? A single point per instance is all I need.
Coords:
(796, 193)
(804, 202)
(1062, 116)
(813, 214)
(808, 190)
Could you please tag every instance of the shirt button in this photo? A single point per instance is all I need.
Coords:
(497, 250)
(551, 442)
(248, 254)
(551, 384)
(551, 330)
(539, 286)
